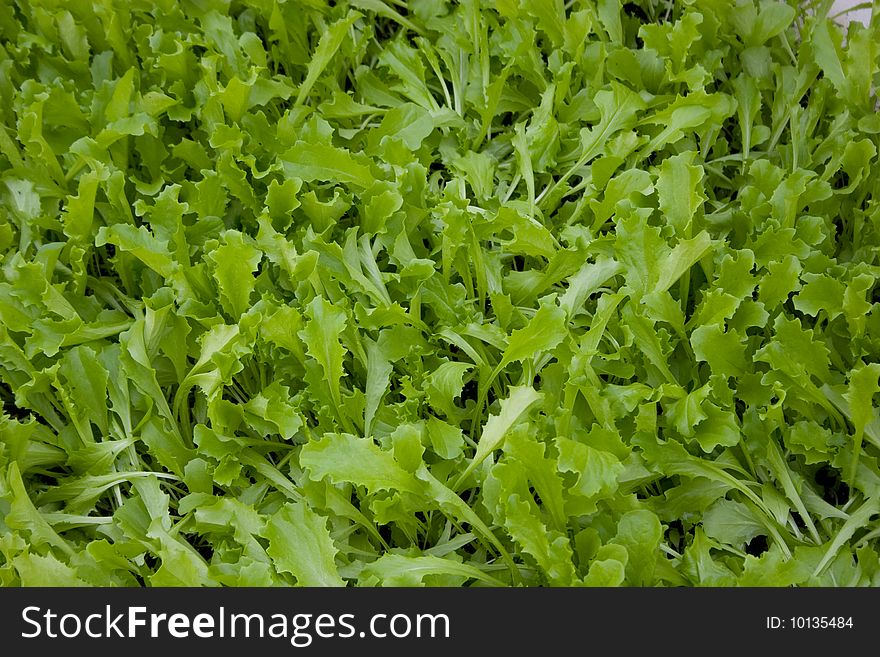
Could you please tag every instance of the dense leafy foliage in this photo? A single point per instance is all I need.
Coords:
(397, 293)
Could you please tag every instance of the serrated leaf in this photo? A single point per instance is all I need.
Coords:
(300, 544)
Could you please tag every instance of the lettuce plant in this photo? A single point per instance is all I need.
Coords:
(488, 292)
